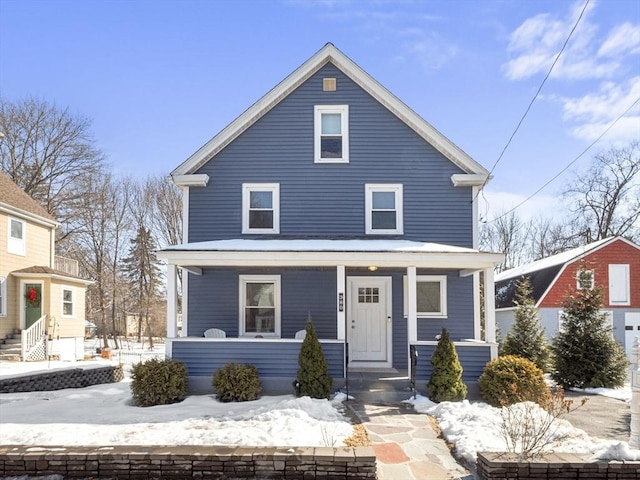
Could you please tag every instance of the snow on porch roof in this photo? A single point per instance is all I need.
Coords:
(271, 245)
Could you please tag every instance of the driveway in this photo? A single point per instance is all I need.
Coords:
(600, 416)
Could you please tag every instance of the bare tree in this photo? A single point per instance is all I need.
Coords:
(46, 150)
(607, 196)
(507, 234)
(165, 213)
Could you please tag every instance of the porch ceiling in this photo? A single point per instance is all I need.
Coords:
(353, 253)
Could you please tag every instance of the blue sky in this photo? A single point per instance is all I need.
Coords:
(160, 78)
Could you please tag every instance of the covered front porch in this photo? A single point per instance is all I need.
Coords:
(370, 301)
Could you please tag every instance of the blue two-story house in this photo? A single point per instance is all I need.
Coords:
(328, 197)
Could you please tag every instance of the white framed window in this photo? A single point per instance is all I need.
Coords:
(259, 305)
(17, 233)
(619, 285)
(3, 296)
(383, 206)
(431, 296)
(585, 279)
(260, 208)
(68, 305)
(331, 132)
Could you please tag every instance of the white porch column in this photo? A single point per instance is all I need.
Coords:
(341, 296)
(172, 301)
(489, 307)
(412, 299)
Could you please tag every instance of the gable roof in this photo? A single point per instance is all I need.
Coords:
(330, 54)
(16, 201)
(543, 273)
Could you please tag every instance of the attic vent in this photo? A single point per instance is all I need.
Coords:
(329, 84)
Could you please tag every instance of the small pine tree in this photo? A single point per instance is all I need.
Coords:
(446, 384)
(313, 379)
(585, 353)
(527, 338)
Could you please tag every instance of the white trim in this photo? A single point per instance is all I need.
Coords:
(17, 246)
(477, 320)
(627, 286)
(441, 280)
(14, 211)
(460, 343)
(243, 280)
(318, 111)
(53, 276)
(249, 340)
(192, 180)
(397, 190)
(411, 293)
(3, 296)
(327, 54)
(185, 305)
(469, 180)
(73, 302)
(341, 290)
(185, 214)
(489, 307)
(475, 225)
(172, 301)
(247, 189)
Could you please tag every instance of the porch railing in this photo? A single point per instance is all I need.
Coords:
(66, 265)
(34, 345)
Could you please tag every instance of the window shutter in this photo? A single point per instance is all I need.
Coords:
(619, 284)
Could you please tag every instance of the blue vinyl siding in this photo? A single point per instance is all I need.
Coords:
(472, 358)
(214, 300)
(327, 200)
(272, 359)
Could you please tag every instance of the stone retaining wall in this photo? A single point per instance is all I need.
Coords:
(182, 462)
(60, 379)
(494, 466)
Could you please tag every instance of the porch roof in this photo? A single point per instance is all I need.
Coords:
(317, 252)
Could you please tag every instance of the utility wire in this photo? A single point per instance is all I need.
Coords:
(584, 8)
(568, 165)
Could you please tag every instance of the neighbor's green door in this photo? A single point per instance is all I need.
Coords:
(33, 303)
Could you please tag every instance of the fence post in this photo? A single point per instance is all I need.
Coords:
(634, 441)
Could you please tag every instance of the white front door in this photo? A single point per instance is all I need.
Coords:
(631, 330)
(369, 321)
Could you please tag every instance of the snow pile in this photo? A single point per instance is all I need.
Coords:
(475, 427)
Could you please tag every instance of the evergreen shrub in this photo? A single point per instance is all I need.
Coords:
(237, 382)
(313, 379)
(511, 379)
(446, 383)
(158, 382)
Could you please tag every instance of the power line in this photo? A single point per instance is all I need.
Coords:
(584, 8)
(568, 165)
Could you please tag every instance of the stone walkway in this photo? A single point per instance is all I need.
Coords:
(406, 445)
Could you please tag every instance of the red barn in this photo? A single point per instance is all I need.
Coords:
(612, 264)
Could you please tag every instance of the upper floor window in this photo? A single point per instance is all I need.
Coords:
(16, 242)
(260, 208)
(67, 302)
(260, 305)
(383, 204)
(331, 124)
(585, 279)
(3, 296)
(619, 285)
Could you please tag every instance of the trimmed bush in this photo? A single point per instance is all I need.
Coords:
(446, 384)
(237, 382)
(313, 379)
(511, 379)
(158, 382)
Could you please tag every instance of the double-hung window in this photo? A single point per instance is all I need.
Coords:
(260, 208)
(585, 279)
(67, 302)
(331, 124)
(431, 296)
(383, 205)
(260, 305)
(16, 242)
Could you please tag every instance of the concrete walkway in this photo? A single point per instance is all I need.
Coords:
(406, 445)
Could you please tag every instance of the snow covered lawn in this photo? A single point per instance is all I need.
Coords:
(104, 415)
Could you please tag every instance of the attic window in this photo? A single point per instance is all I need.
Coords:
(328, 84)
(585, 279)
(331, 124)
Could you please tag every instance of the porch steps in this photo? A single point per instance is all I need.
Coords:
(11, 347)
(378, 386)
